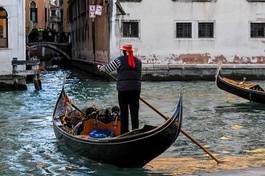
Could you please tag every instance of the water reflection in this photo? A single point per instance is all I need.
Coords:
(232, 128)
(188, 165)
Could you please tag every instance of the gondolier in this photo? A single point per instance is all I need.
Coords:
(128, 85)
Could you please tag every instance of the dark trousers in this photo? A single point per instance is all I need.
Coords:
(129, 99)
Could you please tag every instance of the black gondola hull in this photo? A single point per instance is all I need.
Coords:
(134, 149)
(248, 94)
(123, 154)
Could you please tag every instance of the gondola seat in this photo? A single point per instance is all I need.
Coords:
(92, 124)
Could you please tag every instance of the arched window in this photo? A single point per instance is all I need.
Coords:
(3, 28)
(33, 12)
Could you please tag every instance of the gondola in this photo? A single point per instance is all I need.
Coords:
(250, 91)
(132, 149)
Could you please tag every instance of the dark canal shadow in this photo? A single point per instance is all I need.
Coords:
(241, 107)
(82, 165)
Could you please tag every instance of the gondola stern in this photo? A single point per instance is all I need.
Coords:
(179, 106)
(58, 105)
(178, 113)
(218, 74)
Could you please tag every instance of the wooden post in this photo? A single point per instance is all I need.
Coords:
(14, 66)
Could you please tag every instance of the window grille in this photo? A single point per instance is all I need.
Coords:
(205, 30)
(184, 30)
(257, 30)
(130, 29)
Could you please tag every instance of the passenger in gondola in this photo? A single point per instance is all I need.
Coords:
(244, 80)
(91, 112)
(129, 70)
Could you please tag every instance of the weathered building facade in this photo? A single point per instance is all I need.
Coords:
(36, 14)
(192, 31)
(54, 16)
(178, 32)
(89, 31)
(64, 16)
(12, 33)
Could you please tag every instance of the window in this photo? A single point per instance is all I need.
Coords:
(3, 28)
(257, 30)
(206, 30)
(130, 29)
(53, 13)
(33, 12)
(46, 15)
(184, 30)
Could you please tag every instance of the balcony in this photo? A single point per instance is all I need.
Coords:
(55, 19)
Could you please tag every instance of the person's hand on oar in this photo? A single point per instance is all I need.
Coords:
(99, 67)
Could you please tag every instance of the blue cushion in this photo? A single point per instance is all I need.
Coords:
(101, 133)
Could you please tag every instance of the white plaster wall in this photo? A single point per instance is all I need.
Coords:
(114, 32)
(16, 34)
(158, 27)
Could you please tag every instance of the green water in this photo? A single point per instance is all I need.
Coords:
(227, 125)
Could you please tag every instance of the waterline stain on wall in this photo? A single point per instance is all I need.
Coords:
(204, 58)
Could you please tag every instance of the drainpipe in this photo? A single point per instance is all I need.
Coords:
(94, 38)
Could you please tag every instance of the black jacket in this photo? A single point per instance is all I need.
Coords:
(129, 78)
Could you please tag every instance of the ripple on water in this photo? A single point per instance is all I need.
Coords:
(228, 126)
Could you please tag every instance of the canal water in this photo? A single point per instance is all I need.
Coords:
(230, 127)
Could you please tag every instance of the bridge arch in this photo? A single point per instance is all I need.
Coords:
(53, 46)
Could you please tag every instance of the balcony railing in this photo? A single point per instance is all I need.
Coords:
(55, 18)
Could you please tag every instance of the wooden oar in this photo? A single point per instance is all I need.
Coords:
(182, 131)
(75, 107)
(79, 110)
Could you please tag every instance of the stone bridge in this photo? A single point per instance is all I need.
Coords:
(62, 48)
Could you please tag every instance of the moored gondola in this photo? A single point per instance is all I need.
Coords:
(250, 91)
(133, 149)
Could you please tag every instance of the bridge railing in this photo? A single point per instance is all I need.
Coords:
(61, 48)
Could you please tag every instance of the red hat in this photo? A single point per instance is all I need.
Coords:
(128, 48)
